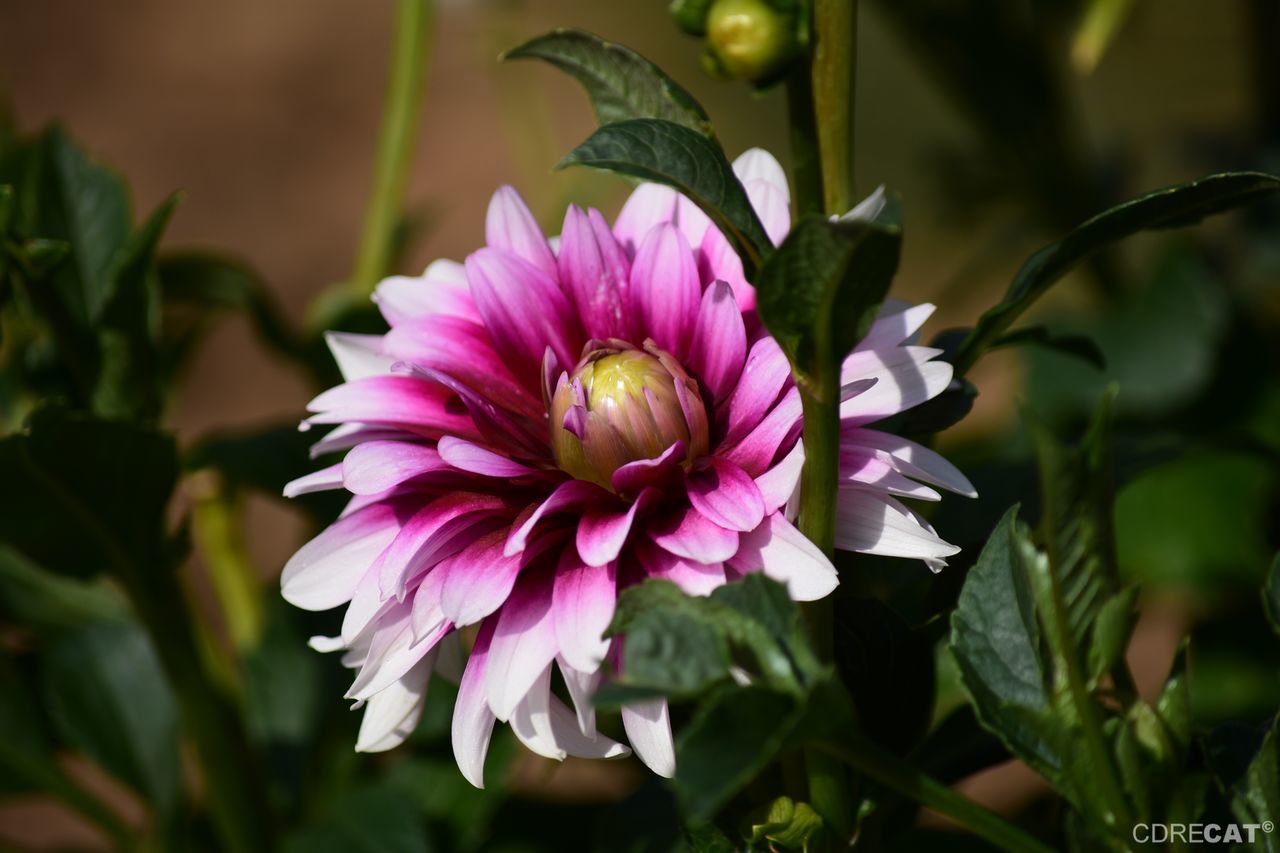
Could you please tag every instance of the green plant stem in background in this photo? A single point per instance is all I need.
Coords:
(877, 763)
(835, 49)
(395, 142)
(806, 166)
(219, 530)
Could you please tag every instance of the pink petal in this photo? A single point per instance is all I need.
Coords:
(910, 458)
(568, 496)
(649, 206)
(693, 578)
(584, 599)
(376, 466)
(473, 458)
(764, 375)
(524, 642)
(525, 312)
(717, 261)
(391, 715)
(757, 450)
(510, 225)
(317, 481)
(665, 290)
(408, 402)
(392, 653)
(690, 534)
(441, 290)
(595, 271)
(500, 427)
(324, 572)
(784, 554)
(634, 477)
(603, 531)
(719, 345)
(779, 484)
(472, 719)
(724, 494)
(648, 727)
(477, 580)
(438, 530)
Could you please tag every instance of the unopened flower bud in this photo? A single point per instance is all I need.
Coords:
(750, 40)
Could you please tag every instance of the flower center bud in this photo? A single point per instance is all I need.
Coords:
(621, 406)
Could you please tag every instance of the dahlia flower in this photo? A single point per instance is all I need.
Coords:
(556, 420)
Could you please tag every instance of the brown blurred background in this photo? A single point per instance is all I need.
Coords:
(265, 114)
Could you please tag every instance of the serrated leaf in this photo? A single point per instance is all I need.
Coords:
(819, 293)
(107, 696)
(621, 83)
(672, 154)
(84, 495)
(1176, 206)
(1110, 634)
(1257, 798)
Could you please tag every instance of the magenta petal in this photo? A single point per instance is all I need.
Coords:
(763, 377)
(472, 719)
(756, 452)
(509, 225)
(409, 402)
(525, 312)
(584, 600)
(719, 345)
(603, 531)
(724, 493)
(595, 272)
(569, 495)
(477, 580)
(500, 427)
(524, 642)
(649, 206)
(692, 535)
(665, 290)
(465, 456)
(376, 466)
(693, 578)
(436, 531)
(632, 478)
(717, 261)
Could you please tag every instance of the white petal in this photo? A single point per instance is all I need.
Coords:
(898, 323)
(392, 715)
(871, 523)
(317, 481)
(912, 459)
(757, 164)
(358, 356)
(582, 686)
(905, 377)
(472, 720)
(785, 554)
(324, 572)
(648, 727)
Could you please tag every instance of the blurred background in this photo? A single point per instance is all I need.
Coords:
(999, 139)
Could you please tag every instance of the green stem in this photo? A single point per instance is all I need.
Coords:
(806, 164)
(877, 763)
(395, 143)
(835, 50)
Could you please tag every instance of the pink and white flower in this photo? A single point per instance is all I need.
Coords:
(554, 421)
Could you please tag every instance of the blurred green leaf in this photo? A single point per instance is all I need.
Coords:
(83, 495)
(283, 683)
(1257, 798)
(622, 84)
(32, 596)
(819, 293)
(1174, 206)
(672, 154)
(1081, 347)
(1099, 26)
(1271, 594)
(26, 755)
(107, 696)
(377, 818)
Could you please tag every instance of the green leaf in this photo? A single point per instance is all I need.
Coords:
(88, 206)
(672, 154)
(819, 293)
(1081, 347)
(128, 382)
(1258, 798)
(1110, 635)
(83, 495)
(107, 696)
(379, 817)
(47, 602)
(622, 84)
(26, 756)
(1175, 206)
(787, 825)
(733, 736)
(1271, 594)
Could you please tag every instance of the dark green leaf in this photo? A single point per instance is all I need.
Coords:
(677, 653)
(820, 291)
(40, 599)
(1081, 347)
(1110, 636)
(84, 495)
(107, 696)
(377, 818)
(1258, 797)
(26, 757)
(786, 825)
(734, 736)
(622, 84)
(128, 383)
(672, 154)
(282, 684)
(1175, 206)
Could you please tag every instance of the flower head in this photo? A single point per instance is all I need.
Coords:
(552, 422)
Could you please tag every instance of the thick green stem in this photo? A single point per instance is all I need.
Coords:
(806, 165)
(877, 763)
(395, 143)
(835, 50)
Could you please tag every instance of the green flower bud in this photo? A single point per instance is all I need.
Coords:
(750, 40)
(691, 15)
